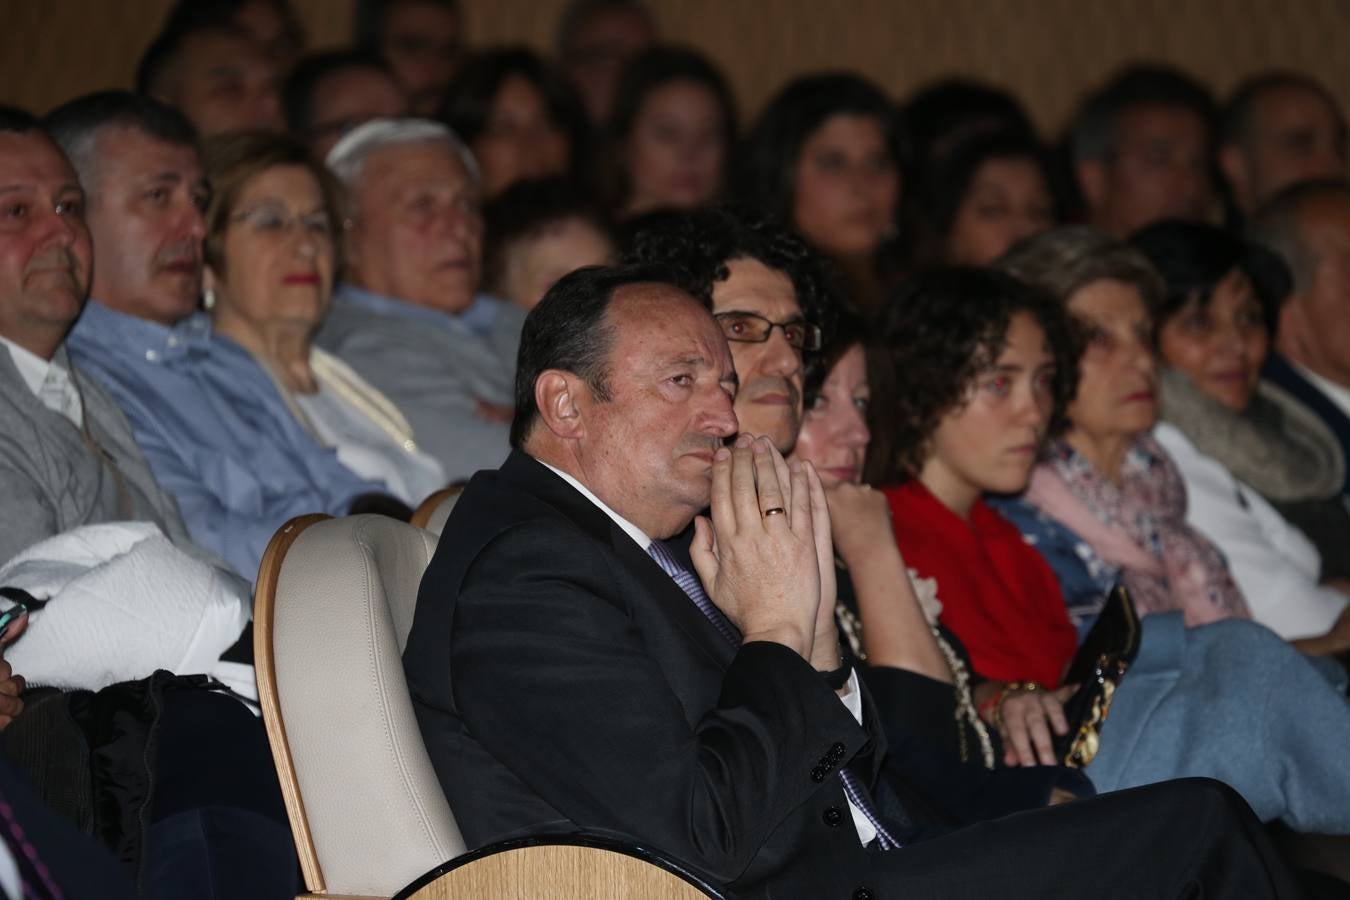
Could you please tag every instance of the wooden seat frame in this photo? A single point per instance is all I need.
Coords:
(549, 867)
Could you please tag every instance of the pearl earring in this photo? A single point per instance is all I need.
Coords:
(209, 299)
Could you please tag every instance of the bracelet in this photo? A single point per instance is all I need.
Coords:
(1026, 687)
(985, 709)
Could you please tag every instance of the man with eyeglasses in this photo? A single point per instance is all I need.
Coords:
(764, 289)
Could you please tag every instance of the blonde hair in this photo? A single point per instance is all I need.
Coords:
(232, 161)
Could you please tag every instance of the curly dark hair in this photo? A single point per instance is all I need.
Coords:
(939, 332)
(699, 244)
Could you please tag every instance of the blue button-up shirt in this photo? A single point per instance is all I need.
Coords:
(443, 371)
(215, 430)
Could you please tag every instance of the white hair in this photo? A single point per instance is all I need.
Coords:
(348, 156)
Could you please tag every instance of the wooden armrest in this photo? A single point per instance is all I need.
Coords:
(562, 867)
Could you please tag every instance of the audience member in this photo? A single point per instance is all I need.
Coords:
(699, 248)
(980, 199)
(408, 318)
(596, 40)
(519, 117)
(1140, 148)
(1308, 226)
(1108, 480)
(1277, 129)
(766, 291)
(983, 366)
(210, 421)
(215, 75)
(270, 266)
(535, 233)
(672, 130)
(68, 458)
(272, 24)
(1244, 447)
(913, 668)
(944, 114)
(714, 716)
(329, 94)
(421, 40)
(825, 157)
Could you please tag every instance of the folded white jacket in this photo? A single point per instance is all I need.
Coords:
(123, 602)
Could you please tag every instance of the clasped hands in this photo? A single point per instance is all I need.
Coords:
(770, 572)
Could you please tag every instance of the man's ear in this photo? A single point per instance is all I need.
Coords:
(561, 397)
(1091, 175)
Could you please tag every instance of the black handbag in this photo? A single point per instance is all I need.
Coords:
(1097, 668)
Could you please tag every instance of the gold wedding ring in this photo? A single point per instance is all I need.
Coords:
(776, 511)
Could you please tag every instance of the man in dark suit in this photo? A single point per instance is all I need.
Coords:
(570, 673)
(1308, 226)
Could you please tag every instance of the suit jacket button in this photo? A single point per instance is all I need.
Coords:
(834, 817)
(863, 893)
(818, 774)
(836, 752)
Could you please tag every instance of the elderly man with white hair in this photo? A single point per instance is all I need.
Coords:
(409, 318)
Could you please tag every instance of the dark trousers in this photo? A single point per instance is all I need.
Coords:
(1193, 838)
(218, 828)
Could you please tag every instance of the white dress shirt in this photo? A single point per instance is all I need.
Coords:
(1336, 393)
(850, 695)
(49, 382)
(1274, 563)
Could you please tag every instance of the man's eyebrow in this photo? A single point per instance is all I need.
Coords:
(17, 189)
(798, 316)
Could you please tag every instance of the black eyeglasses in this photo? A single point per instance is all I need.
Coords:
(749, 328)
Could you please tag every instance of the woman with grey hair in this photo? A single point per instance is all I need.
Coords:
(271, 259)
(1109, 481)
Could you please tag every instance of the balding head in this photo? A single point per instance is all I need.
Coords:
(1308, 225)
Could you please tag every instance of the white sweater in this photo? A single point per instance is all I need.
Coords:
(1274, 563)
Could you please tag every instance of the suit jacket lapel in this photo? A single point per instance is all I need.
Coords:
(638, 564)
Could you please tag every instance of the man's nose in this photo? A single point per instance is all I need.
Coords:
(719, 417)
(780, 357)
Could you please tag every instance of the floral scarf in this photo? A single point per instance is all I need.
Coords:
(1140, 526)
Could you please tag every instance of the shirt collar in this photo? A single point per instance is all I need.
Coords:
(628, 527)
(33, 369)
(142, 337)
(478, 319)
(48, 379)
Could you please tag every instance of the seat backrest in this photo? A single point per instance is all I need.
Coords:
(334, 605)
(435, 510)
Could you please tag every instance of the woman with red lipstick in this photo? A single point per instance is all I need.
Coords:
(271, 256)
(979, 370)
(1260, 471)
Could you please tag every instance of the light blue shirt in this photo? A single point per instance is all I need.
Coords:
(214, 429)
(444, 372)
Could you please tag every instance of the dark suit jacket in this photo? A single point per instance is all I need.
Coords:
(563, 681)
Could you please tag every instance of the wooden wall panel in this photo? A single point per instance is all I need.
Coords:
(1046, 50)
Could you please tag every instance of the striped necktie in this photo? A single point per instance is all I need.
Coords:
(690, 584)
